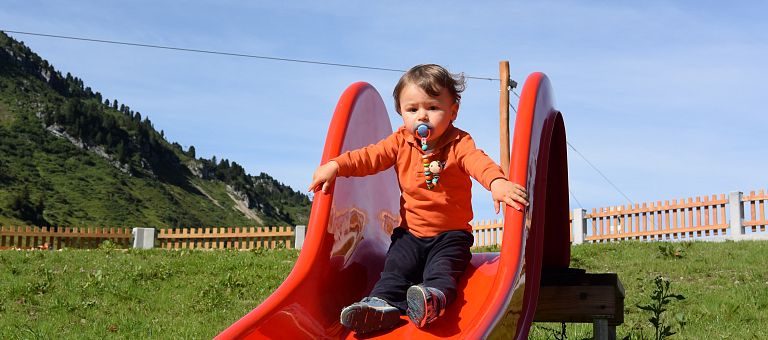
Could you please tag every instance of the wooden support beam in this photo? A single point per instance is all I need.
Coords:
(504, 116)
(572, 295)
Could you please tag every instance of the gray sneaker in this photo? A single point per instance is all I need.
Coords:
(425, 304)
(369, 315)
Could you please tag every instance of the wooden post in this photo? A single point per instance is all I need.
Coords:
(504, 115)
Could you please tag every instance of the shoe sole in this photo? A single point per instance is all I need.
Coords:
(366, 319)
(417, 301)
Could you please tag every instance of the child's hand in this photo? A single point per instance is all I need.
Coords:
(512, 194)
(324, 177)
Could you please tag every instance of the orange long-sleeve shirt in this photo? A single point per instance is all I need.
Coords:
(425, 212)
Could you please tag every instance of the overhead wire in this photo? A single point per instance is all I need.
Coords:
(231, 54)
(601, 173)
(586, 160)
(575, 199)
(304, 61)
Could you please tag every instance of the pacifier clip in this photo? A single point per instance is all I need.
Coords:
(432, 168)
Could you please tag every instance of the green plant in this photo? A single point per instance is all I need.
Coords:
(94, 279)
(107, 246)
(42, 283)
(660, 299)
(674, 250)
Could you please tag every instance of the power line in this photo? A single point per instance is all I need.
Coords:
(313, 62)
(231, 54)
(601, 173)
(586, 160)
(575, 199)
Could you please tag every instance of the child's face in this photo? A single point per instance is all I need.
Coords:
(417, 107)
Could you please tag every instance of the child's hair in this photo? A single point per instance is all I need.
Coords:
(432, 79)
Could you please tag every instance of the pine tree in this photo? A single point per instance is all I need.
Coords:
(121, 154)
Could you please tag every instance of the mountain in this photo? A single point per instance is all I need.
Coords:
(70, 157)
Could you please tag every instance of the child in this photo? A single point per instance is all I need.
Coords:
(433, 161)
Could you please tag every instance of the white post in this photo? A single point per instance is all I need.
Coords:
(300, 231)
(579, 226)
(736, 210)
(143, 238)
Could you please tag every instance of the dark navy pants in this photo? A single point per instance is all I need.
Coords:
(436, 262)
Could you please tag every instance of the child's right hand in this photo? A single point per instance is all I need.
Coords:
(324, 177)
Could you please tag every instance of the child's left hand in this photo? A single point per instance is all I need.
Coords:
(512, 194)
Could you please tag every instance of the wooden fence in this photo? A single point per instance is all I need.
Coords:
(670, 220)
(487, 232)
(732, 216)
(716, 217)
(755, 221)
(51, 238)
(27, 237)
(704, 217)
(226, 238)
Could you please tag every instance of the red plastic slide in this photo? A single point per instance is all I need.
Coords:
(348, 236)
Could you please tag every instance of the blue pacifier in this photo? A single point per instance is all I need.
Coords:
(423, 131)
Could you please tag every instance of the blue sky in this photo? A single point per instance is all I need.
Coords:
(663, 97)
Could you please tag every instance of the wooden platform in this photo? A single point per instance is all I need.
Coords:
(572, 295)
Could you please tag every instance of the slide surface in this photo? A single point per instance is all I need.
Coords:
(348, 236)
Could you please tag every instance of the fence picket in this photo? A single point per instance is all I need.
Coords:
(660, 212)
(697, 212)
(653, 217)
(753, 208)
(58, 239)
(706, 211)
(690, 211)
(667, 213)
(272, 242)
(26, 241)
(643, 219)
(593, 221)
(762, 206)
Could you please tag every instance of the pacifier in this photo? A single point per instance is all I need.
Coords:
(423, 131)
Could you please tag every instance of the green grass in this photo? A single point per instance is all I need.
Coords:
(725, 287)
(196, 294)
(135, 294)
(5, 115)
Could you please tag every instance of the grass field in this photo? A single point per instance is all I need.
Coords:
(110, 293)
